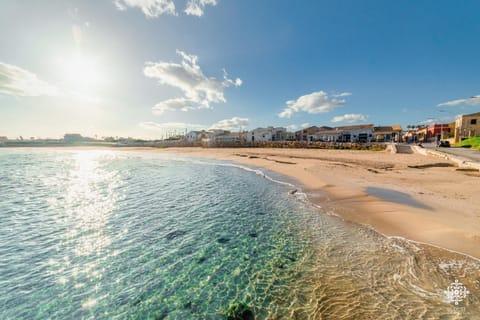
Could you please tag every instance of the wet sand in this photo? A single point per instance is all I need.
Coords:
(420, 198)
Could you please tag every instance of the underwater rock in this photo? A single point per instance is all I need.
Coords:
(291, 259)
(174, 234)
(201, 259)
(161, 316)
(223, 240)
(239, 311)
(137, 302)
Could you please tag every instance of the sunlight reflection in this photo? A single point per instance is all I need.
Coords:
(90, 199)
(90, 193)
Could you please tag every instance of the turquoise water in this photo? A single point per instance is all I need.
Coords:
(125, 235)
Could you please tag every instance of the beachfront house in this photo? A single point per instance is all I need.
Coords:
(438, 131)
(267, 134)
(213, 134)
(356, 133)
(290, 136)
(231, 137)
(194, 136)
(303, 134)
(467, 126)
(326, 135)
(387, 133)
(409, 136)
(421, 134)
(73, 138)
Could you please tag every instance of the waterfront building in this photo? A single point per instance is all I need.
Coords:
(267, 134)
(467, 126)
(387, 133)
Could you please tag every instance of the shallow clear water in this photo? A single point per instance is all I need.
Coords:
(114, 235)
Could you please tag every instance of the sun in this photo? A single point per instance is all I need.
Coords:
(82, 73)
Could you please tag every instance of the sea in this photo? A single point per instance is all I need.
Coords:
(107, 234)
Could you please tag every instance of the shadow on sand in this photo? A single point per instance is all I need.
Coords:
(396, 196)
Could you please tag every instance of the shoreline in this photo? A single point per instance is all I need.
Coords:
(421, 199)
(338, 181)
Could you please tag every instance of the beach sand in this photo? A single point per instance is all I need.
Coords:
(420, 198)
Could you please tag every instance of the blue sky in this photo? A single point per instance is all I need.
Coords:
(140, 67)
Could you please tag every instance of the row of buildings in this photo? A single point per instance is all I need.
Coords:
(465, 126)
(357, 133)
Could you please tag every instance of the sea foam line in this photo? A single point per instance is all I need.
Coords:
(297, 191)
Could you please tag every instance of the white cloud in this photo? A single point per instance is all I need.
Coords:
(150, 8)
(472, 101)
(16, 81)
(427, 121)
(305, 125)
(196, 7)
(231, 124)
(200, 91)
(155, 8)
(343, 94)
(313, 103)
(182, 104)
(437, 120)
(169, 125)
(350, 118)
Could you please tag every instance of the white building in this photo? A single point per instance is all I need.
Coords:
(325, 136)
(213, 135)
(359, 133)
(267, 134)
(194, 136)
(231, 137)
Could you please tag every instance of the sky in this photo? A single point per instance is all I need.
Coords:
(141, 68)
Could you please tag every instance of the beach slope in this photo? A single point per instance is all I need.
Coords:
(421, 198)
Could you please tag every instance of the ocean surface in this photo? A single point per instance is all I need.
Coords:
(97, 234)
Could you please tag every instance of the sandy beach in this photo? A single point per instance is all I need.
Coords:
(425, 199)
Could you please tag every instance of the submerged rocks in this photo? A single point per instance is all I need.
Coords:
(174, 234)
(237, 310)
(223, 239)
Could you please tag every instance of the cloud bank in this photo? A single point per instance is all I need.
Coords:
(150, 8)
(197, 7)
(227, 124)
(472, 101)
(19, 82)
(350, 118)
(313, 103)
(169, 125)
(200, 91)
(155, 8)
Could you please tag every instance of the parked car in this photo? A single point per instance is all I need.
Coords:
(444, 144)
